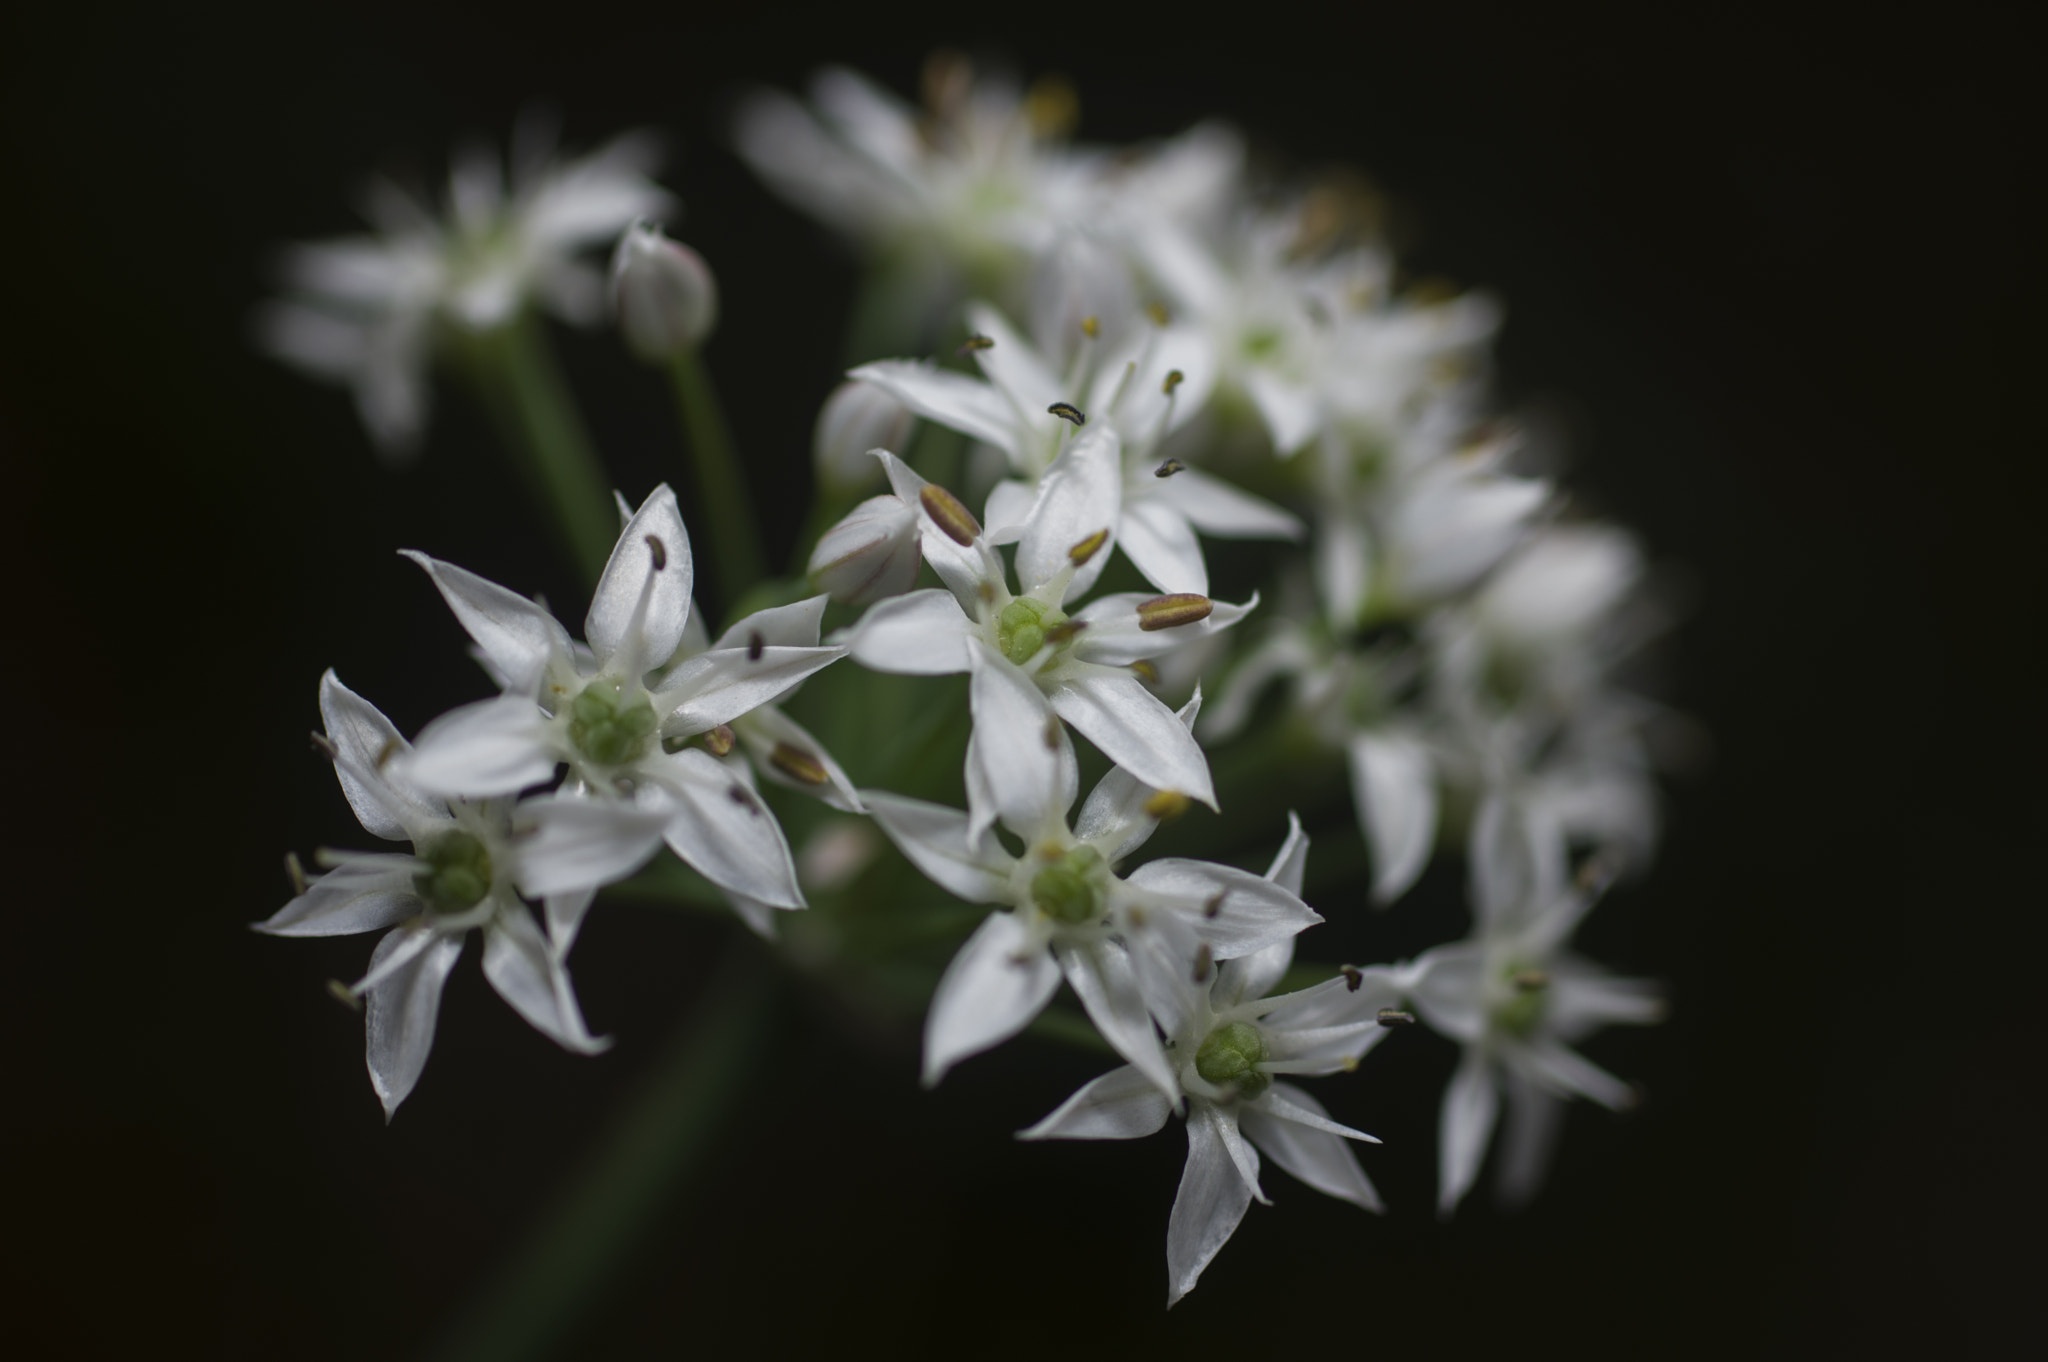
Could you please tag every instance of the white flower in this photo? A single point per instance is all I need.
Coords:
(1516, 999)
(371, 311)
(462, 874)
(1143, 389)
(1080, 660)
(1229, 1042)
(1065, 909)
(635, 780)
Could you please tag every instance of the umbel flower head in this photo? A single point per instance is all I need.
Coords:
(373, 311)
(464, 873)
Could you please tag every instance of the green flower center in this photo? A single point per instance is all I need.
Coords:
(457, 874)
(1071, 889)
(1229, 1056)
(607, 732)
(1526, 1002)
(1021, 628)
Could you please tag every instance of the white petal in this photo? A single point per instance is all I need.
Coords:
(1235, 911)
(387, 803)
(921, 634)
(1080, 494)
(1215, 507)
(531, 977)
(492, 747)
(1583, 999)
(720, 827)
(764, 729)
(1206, 1210)
(1123, 1104)
(935, 839)
(631, 573)
(1393, 785)
(1161, 544)
(965, 404)
(1103, 977)
(719, 686)
(1566, 1070)
(1471, 1104)
(965, 568)
(1114, 818)
(1324, 1161)
(1020, 762)
(1343, 561)
(1291, 860)
(785, 626)
(565, 914)
(1136, 730)
(759, 916)
(1291, 413)
(361, 895)
(580, 842)
(1535, 1116)
(1448, 984)
(1009, 504)
(402, 1010)
(517, 635)
(995, 985)
(1114, 636)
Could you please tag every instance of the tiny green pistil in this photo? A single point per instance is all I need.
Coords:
(1529, 996)
(1230, 1056)
(1071, 889)
(1020, 628)
(607, 732)
(458, 873)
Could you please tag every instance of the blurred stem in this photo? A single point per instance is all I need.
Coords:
(728, 513)
(537, 416)
(630, 1178)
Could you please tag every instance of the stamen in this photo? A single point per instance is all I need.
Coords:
(1165, 804)
(1169, 468)
(1067, 411)
(1088, 547)
(977, 341)
(1214, 907)
(1174, 378)
(1205, 963)
(325, 746)
(1158, 313)
(1353, 977)
(660, 552)
(344, 995)
(755, 644)
(1394, 1016)
(1052, 732)
(1170, 612)
(1091, 327)
(742, 796)
(719, 740)
(798, 764)
(1145, 671)
(1064, 630)
(296, 873)
(953, 519)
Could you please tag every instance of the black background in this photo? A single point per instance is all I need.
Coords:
(1779, 277)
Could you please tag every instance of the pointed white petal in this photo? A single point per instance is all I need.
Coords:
(719, 686)
(1114, 818)
(935, 839)
(1471, 1104)
(1211, 1201)
(492, 747)
(1009, 504)
(965, 404)
(1566, 1070)
(1115, 638)
(1216, 508)
(518, 636)
(1233, 910)
(1136, 730)
(1448, 985)
(632, 572)
(994, 986)
(759, 916)
(784, 626)
(723, 830)
(402, 1010)
(1582, 999)
(1393, 785)
(921, 634)
(1291, 413)
(565, 914)
(1535, 1116)
(362, 895)
(1319, 1158)
(1158, 540)
(1013, 366)
(1080, 494)
(1020, 761)
(387, 803)
(531, 977)
(1123, 1104)
(579, 842)
(1103, 977)
(1292, 859)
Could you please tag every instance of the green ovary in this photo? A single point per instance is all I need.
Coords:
(606, 732)
(1523, 1011)
(458, 873)
(1229, 1056)
(1020, 628)
(1070, 889)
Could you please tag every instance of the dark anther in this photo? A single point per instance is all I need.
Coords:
(1067, 411)
(1169, 468)
(660, 552)
(1393, 1016)
(1353, 977)
(755, 643)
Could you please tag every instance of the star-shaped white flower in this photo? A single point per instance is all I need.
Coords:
(1229, 1043)
(1081, 660)
(1064, 909)
(635, 778)
(465, 872)
(370, 311)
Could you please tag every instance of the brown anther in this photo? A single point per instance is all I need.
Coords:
(1145, 672)
(1205, 963)
(344, 995)
(1169, 468)
(1067, 411)
(1157, 312)
(1170, 612)
(1349, 1064)
(1064, 630)
(1529, 980)
(976, 342)
(324, 745)
(987, 592)
(742, 796)
(1394, 1016)
(1174, 378)
(1091, 327)
(390, 749)
(799, 765)
(1053, 732)
(1214, 907)
(1135, 915)
(1051, 108)
(1353, 977)
(1088, 547)
(755, 645)
(659, 551)
(1165, 804)
(719, 740)
(955, 521)
(295, 872)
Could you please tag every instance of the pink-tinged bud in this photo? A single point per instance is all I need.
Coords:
(872, 554)
(662, 293)
(855, 420)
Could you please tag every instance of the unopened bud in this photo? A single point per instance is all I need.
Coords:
(954, 520)
(872, 554)
(1170, 612)
(856, 419)
(662, 293)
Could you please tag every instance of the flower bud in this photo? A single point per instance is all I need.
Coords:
(856, 418)
(872, 554)
(662, 293)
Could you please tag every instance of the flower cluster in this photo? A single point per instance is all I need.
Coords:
(1156, 353)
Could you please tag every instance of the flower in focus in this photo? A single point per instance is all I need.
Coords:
(374, 311)
(464, 872)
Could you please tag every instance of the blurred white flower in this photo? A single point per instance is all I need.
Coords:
(663, 294)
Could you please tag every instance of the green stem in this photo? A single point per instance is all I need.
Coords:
(629, 1180)
(728, 512)
(537, 416)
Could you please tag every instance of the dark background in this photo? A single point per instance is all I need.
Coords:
(1777, 275)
